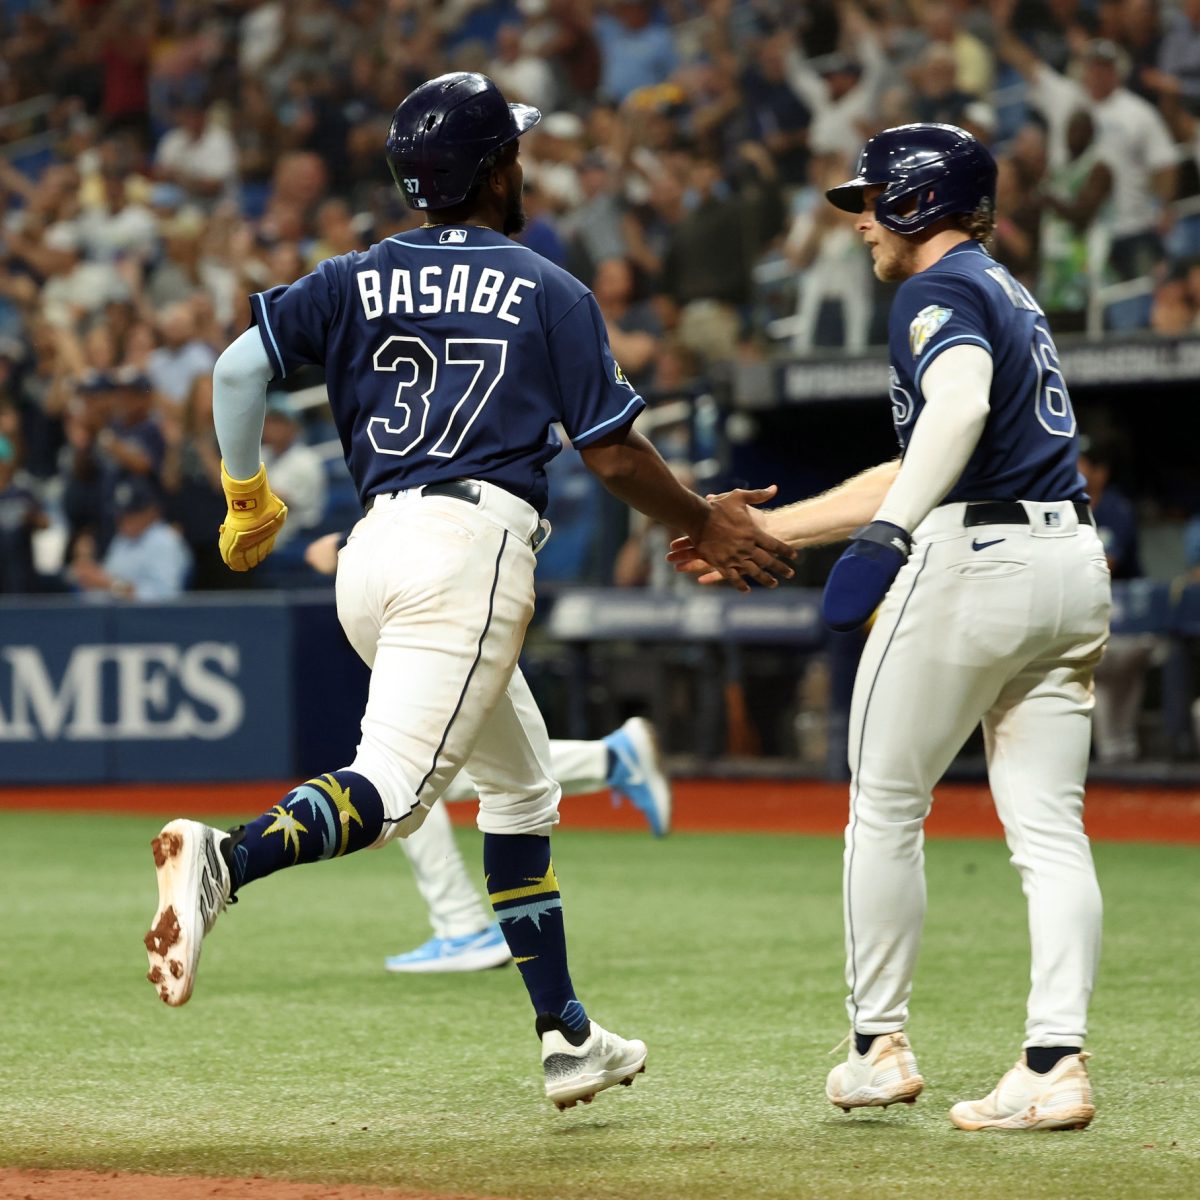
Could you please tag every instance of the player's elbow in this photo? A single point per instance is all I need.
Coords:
(610, 464)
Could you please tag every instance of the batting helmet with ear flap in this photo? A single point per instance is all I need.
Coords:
(444, 131)
(927, 172)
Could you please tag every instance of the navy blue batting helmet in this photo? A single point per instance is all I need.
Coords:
(442, 133)
(942, 167)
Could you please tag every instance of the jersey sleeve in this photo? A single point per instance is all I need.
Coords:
(294, 319)
(931, 314)
(596, 397)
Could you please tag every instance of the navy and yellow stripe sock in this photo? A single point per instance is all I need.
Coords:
(524, 894)
(326, 817)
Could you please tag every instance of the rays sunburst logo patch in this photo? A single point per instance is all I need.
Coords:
(924, 325)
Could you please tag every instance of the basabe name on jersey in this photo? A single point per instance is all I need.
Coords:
(482, 291)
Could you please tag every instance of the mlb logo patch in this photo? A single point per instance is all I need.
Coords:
(1052, 520)
(452, 236)
(924, 325)
(244, 505)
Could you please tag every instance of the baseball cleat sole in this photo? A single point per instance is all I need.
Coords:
(584, 1092)
(184, 859)
(1029, 1120)
(906, 1093)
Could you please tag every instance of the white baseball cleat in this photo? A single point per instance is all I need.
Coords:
(194, 886)
(576, 1072)
(886, 1074)
(1059, 1099)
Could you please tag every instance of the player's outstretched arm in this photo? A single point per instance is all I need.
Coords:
(723, 531)
(830, 517)
(956, 388)
(254, 514)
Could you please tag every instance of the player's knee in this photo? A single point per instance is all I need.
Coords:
(534, 812)
(403, 813)
(881, 802)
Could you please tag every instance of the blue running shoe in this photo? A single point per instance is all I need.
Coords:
(637, 773)
(472, 952)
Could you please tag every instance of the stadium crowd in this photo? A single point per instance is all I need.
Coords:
(162, 159)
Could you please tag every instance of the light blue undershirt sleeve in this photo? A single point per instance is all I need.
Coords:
(240, 381)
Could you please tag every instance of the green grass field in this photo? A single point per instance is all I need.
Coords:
(299, 1057)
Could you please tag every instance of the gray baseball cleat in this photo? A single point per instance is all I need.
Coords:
(580, 1063)
(194, 887)
(886, 1074)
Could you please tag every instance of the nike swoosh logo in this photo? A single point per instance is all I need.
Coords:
(635, 777)
(976, 544)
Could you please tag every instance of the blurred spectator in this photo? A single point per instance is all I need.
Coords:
(581, 545)
(519, 74)
(974, 67)
(593, 231)
(296, 470)
(633, 327)
(191, 480)
(132, 442)
(178, 273)
(1121, 675)
(1020, 175)
(554, 155)
(44, 394)
(637, 49)
(1075, 227)
(842, 89)
(146, 559)
(834, 290)
(1132, 136)
(1176, 74)
(182, 357)
(706, 268)
(1172, 312)
(938, 97)
(20, 515)
(540, 232)
(199, 155)
(118, 223)
(642, 560)
(775, 114)
(1140, 36)
(566, 38)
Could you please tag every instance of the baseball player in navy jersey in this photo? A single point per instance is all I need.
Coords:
(449, 352)
(978, 549)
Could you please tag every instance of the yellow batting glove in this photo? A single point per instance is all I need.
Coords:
(254, 518)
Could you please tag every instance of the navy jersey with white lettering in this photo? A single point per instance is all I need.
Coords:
(448, 354)
(1028, 449)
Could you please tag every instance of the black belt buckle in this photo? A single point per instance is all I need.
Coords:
(1012, 512)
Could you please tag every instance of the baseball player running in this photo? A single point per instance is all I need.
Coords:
(448, 352)
(465, 936)
(993, 597)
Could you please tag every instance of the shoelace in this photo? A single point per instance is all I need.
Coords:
(843, 1042)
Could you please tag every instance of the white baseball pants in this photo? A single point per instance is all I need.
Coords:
(455, 905)
(1002, 624)
(435, 595)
